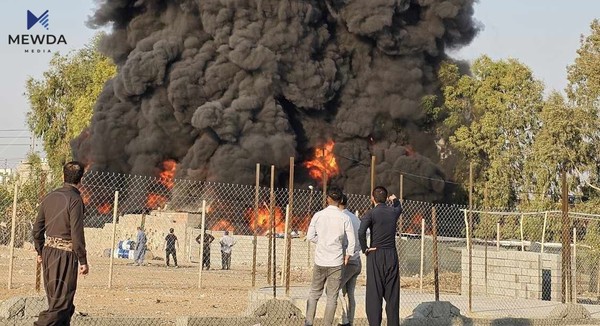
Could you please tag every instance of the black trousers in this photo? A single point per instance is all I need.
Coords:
(383, 283)
(60, 283)
(206, 258)
(171, 252)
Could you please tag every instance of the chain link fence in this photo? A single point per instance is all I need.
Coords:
(513, 264)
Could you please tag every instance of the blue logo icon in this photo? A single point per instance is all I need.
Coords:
(42, 19)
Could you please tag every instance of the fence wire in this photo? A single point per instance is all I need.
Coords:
(515, 255)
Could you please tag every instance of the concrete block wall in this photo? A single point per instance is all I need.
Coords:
(156, 225)
(513, 274)
(301, 255)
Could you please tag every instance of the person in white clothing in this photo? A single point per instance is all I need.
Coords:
(351, 270)
(328, 228)
(227, 243)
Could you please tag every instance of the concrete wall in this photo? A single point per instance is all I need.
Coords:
(513, 274)
(156, 225)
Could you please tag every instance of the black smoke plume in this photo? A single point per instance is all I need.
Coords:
(220, 85)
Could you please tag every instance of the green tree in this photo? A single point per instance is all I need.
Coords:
(62, 100)
(490, 118)
(561, 145)
(583, 90)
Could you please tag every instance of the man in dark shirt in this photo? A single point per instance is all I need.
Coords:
(208, 239)
(382, 258)
(171, 245)
(60, 245)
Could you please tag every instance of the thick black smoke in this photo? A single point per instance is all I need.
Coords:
(220, 85)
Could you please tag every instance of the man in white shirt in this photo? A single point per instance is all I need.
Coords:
(226, 243)
(328, 229)
(351, 270)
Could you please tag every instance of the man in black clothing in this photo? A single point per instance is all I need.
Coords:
(60, 245)
(171, 245)
(208, 239)
(382, 258)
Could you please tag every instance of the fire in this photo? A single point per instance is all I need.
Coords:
(223, 225)
(301, 223)
(263, 222)
(323, 161)
(104, 208)
(414, 225)
(168, 174)
(155, 201)
(85, 195)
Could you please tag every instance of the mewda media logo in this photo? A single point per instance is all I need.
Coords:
(43, 19)
(37, 43)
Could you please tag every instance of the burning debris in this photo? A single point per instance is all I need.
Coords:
(218, 86)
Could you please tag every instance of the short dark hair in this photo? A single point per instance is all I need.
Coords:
(380, 194)
(335, 194)
(73, 172)
(171, 230)
(344, 200)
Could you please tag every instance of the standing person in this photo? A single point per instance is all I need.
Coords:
(208, 239)
(140, 246)
(171, 246)
(226, 243)
(382, 258)
(351, 270)
(327, 229)
(60, 245)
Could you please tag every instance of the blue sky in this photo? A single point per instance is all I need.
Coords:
(543, 34)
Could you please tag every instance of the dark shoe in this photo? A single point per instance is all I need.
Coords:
(344, 324)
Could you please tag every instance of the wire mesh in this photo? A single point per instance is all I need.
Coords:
(515, 254)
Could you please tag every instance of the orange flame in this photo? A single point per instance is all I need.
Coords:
(414, 226)
(85, 195)
(168, 174)
(223, 225)
(104, 208)
(263, 222)
(301, 223)
(324, 161)
(155, 201)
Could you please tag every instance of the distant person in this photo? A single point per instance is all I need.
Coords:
(60, 245)
(351, 270)
(328, 228)
(140, 246)
(171, 246)
(382, 258)
(208, 239)
(227, 243)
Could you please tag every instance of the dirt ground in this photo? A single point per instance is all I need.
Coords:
(157, 291)
(150, 291)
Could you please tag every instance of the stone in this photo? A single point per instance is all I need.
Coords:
(35, 305)
(275, 308)
(436, 310)
(12, 308)
(570, 311)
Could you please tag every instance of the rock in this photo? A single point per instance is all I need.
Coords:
(12, 308)
(22, 307)
(570, 311)
(275, 308)
(35, 305)
(436, 310)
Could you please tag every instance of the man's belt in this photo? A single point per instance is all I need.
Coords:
(58, 243)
